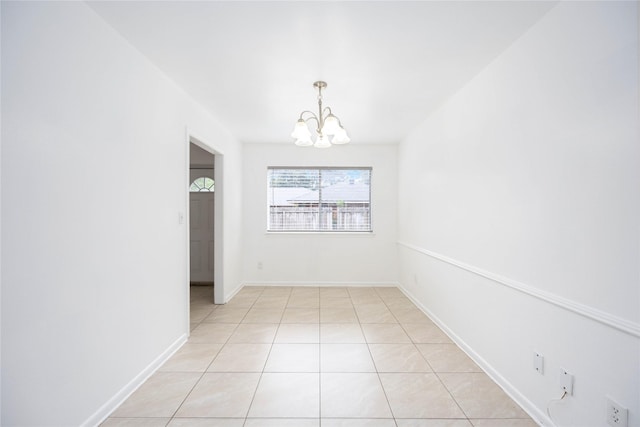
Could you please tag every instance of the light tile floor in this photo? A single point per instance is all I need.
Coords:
(317, 357)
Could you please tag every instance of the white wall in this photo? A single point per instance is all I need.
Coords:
(94, 174)
(519, 213)
(320, 259)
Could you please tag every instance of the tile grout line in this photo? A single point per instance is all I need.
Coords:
(378, 372)
(173, 416)
(253, 397)
(246, 416)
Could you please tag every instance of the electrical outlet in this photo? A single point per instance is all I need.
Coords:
(260, 265)
(566, 381)
(538, 362)
(616, 414)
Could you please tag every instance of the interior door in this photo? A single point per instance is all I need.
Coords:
(201, 208)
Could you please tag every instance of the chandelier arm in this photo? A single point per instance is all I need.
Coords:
(312, 117)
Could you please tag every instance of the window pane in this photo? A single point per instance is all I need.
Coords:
(203, 183)
(321, 199)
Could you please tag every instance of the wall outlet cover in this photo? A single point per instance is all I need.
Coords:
(566, 381)
(617, 415)
(538, 362)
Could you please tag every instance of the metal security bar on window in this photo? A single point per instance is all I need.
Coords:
(319, 199)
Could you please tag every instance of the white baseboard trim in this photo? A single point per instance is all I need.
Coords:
(324, 284)
(233, 293)
(105, 410)
(536, 414)
(624, 325)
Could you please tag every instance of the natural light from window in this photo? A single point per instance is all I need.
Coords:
(319, 199)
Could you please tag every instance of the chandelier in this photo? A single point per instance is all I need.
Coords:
(329, 128)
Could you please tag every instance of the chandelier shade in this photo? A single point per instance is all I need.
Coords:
(329, 129)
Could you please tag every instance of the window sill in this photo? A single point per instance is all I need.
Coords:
(321, 233)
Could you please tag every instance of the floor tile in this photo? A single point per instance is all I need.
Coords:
(398, 358)
(411, 315)
(366, 299)
(336, 302)
(345, 358)
(298, 333)
(282, 356)
(191, 358)
(426, 333)
(361, 290)
(263, 315)
(374, 313)
(206, 422)
(277, 291)
(135, 422)
(283, 422)
(419, 395)
(241, 358)
(212, 333)
(334, 292)
(159, 396)
(305, 291)
(338, 315)
(384, 333)
(480, 397)
(399, 304)
(227, 315)
(301, 315)
(293, 358)
(341, 333)
(432, 423)
(447, 358)
(503, 423)
(389, 292)
(353, 395)
(241, 302)
(250, 291)
(355, 422)
(271, 302)
(225, 395)
(304, 302)
(252, 333)
(287, 395)
(200, 312)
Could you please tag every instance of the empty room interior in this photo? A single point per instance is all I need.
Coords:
(320, 213)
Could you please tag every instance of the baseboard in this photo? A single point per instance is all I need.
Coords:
(105, 410)
(233, 293)
(324, 284)
(533, 411)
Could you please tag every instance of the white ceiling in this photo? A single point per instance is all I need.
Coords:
(388, 64)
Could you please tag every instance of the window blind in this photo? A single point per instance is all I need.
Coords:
(319, 199)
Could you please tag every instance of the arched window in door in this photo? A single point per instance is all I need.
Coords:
(204, 183)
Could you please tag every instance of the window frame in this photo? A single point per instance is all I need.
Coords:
(319, 169)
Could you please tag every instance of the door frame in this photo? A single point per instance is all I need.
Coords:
(218, 218)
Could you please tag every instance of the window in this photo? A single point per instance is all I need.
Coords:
(319, 199)
(204, 183)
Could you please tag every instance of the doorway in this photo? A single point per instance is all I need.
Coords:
(201, 225)
(202, 218)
